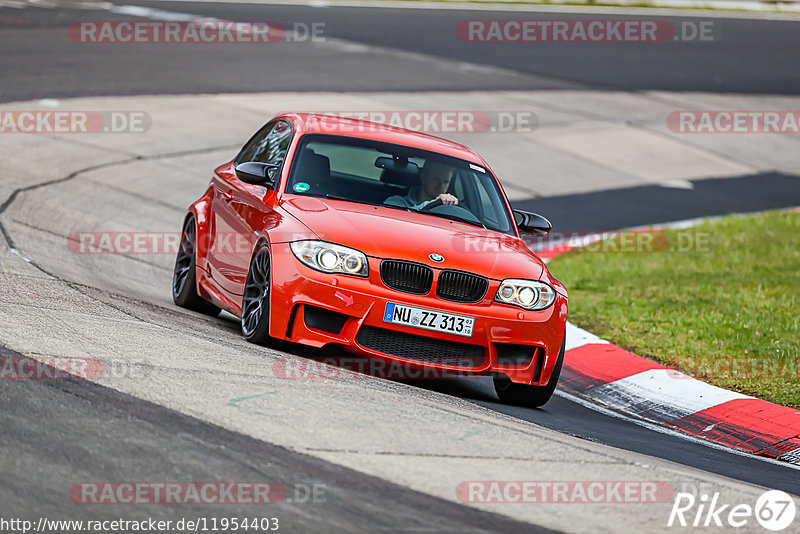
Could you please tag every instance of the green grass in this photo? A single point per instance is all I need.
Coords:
(727, 312)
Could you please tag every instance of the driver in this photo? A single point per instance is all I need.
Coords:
(434, 180)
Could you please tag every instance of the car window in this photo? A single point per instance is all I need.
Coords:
(355, 161)
(385, 174)
(269, 145)
(488, 207)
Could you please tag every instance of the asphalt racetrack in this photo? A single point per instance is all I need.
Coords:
(203, 406)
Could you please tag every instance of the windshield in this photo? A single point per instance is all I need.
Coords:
(399, 177)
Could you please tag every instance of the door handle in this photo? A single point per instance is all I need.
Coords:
(227, 195)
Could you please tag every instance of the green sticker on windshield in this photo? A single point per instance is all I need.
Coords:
(301, 187)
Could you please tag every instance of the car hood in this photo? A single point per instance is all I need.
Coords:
(383, 232)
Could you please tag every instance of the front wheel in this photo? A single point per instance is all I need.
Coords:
(529, 396)
(184, 277)
(255, 301)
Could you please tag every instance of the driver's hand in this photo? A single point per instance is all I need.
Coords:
(447, 199)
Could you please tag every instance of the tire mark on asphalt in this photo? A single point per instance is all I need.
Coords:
(74, 240)
(354, 501)
(75, 286)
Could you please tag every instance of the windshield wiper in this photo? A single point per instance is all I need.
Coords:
(452, 217)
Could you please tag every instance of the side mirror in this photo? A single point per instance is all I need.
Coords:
(253, 172)
(532, 223)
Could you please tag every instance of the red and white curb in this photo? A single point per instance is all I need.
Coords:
(602, 373)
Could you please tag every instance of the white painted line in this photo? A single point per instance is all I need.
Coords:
(792, 456)
(57, 4)
(20, 254)
(158, 14)
(663, 393)
(668, 431)
(49, 102)
(677, 184)
(683, 224)
(578, 337)
(335, 43)
(758, 11)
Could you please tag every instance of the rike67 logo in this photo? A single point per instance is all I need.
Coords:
(774, 510)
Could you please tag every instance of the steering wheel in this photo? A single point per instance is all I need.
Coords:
(435, 204)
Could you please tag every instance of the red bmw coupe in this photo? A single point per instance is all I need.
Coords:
(390, 243)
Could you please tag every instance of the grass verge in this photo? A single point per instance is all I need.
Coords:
(721, 302)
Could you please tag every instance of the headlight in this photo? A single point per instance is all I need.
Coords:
(331, 258)
(528, 294)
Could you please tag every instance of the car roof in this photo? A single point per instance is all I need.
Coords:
(319, 123)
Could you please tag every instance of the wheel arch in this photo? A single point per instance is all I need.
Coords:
(201, 211)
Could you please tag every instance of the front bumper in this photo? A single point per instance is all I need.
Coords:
(299, 292)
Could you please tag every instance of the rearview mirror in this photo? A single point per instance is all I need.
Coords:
(254, 172)
(532, 223)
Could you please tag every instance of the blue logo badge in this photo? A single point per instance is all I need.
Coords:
(438, 258)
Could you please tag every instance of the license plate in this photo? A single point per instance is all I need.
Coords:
(450, 323)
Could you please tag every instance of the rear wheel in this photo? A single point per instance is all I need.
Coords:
(255, 301)
(184, 277)
(525, 395)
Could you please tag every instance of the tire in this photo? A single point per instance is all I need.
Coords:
(184, 276)
(255, 300)
(529, 396)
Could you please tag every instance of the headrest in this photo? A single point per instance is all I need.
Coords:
(312, 167)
